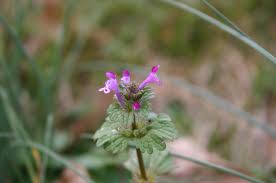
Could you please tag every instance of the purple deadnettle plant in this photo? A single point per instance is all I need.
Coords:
(130, 123)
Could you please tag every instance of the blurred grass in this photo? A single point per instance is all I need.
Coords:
(218, 168)
(123, 32)
(225, 28)
(182, 120)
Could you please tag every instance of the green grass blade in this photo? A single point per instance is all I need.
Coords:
(17, 128)
(8, 156)
(218, 168)
(223, 27)
(47, 142)
(55, 156)
(14, 121)
(215, 167)
(223, 17)
(37, 74)
(12, 32)
(69, 9)
(11, 82)
(8, 135)
(70, 61)
(19, 14)
(49, 130)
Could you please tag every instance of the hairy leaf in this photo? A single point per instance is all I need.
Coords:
(149, 136)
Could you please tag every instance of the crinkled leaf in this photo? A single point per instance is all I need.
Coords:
(117, 114)
(151, 133)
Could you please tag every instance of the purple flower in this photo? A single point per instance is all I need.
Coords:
(130, 90)
(126, 77)
(112, 85)
(152, 77)
(136, 106)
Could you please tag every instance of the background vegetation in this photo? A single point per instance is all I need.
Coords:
(53, 55)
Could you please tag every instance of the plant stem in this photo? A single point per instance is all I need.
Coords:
(139, 154)
(141, 164)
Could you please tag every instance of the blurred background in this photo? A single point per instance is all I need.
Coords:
(54, 54)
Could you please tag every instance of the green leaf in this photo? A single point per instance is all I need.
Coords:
(117, 114)
(154, 134)
(156, 163)
(163, 127)
(116, 145)
(151, 131)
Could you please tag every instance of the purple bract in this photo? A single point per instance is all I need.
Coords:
(136, 106)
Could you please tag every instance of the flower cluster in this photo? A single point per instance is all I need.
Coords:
(131, 122)
(127, 91)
